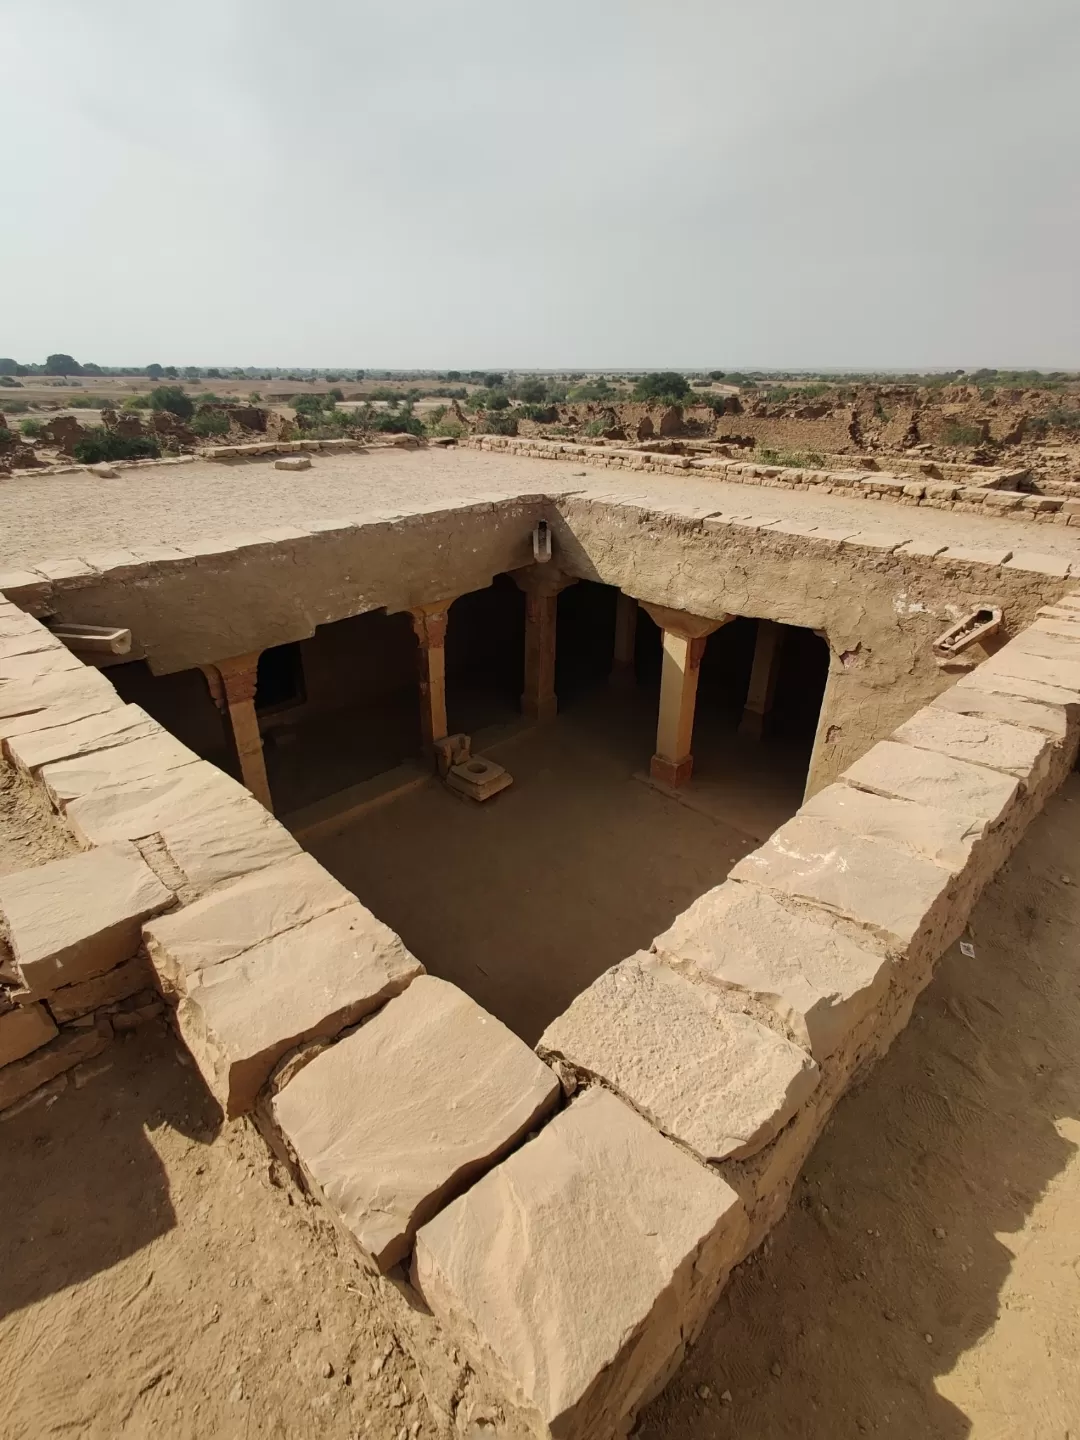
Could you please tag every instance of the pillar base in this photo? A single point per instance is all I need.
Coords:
(752, 725)
(671, 772)
(542, 711)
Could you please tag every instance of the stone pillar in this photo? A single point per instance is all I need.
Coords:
(683, 640)
(232, 684)
(429, 625)
(542, 585)
(759, 697)
(622, 664)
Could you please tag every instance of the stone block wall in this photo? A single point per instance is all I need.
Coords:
(564, 1220)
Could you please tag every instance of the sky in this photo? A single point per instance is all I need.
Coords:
(582, 184)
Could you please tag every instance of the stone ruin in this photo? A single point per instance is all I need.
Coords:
(554, 1223)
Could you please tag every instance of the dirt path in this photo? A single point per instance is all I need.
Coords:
(926, 1282)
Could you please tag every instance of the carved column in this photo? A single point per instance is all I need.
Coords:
(683, 640)
(429, 625)
(542, 585)
(759, 697)
(622, 664)
(232, 684)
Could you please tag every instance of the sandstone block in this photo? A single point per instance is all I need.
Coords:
(83, 689)
(1041, 639)
(928, 778)
(716, 1080)
(944, 836)
(23, 1029)
(965, 555)
(575, 1273)
(964, 700)
(71, 1047)
(399, 1116)
(72, 1001)
(925, 548)
(30, 642)
(30, 749)
(240, 1016)
(1038, 564)
(71, 919)
(816, 980)
(1024, 753)
(994, 682)
(236, 917)
(216, 843)
(899, 897)
(143, 807)
(293, 462)
(1022, 664)
(43, 662)
(135, 759)
(878, 539)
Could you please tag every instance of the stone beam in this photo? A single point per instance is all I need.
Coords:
(683, 637)
(626, 613)
(766, 667)
(232, 684)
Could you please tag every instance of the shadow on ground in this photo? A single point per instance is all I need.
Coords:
(81, 1187)
(934, 1216)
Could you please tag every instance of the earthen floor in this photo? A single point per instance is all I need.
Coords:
(524, 900)
(66, 516)
(924, 1282)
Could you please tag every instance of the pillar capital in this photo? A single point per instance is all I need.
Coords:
(232, 685)
(542, 580)
(429, 623)
(681, 622)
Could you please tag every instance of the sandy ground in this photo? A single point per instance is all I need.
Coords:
(525, 899)
(63, 516)
(30, 832)
(926, 1281)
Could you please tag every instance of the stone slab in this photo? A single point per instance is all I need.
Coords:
(143, 807)
(24, 1029)
(215, 843)
(71, 919)
(965, 555)
(716, 1080)
(994, 682)
(70, 1048)
(66, 689)
(71, 1001)
(145, 758)
(890, 768)
(235, 917)
(963, 700)
(31, 749)
(30, 642)
(396, 1118)
(945, 836)
(900, 898)
(576, 1272)
(240, 1016)
(1023, 753)
(1037, 563)
(819, 983)
(53, 661)
(1021, 664)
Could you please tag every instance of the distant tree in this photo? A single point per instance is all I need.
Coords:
(62, 365)
(192, 372)
(494, 381)
(213, 374)
(173, 399)
(716, 374)
(154, 372)
(336, 393)
(533, 392)
(662, 385)
(453, 374)
(10, 367)
(92, 369)
(170, 372)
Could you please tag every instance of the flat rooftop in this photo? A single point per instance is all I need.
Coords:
(79, 514)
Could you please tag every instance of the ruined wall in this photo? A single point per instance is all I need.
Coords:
(879, 610)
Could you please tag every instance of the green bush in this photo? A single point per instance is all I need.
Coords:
(500, 422)
(210, 422)
(956, 433)
(792, 459)
(174, 400)
(452, 427)
(104, 445)
(30, 428)
(136, 402)
(399, 425)
(665, 385)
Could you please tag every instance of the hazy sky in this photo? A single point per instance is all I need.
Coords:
(588, 183)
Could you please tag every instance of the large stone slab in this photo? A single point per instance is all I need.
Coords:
(945, 836)
(23, 1029)
(240, 1016)
(1051, 720)
(901, 898)
(716, 1080)
(36, 747)
(396, 1118)
(1022, 664)
(994, 682)
(71, 1001)
(236, 917)
(84, 691)
(817, 981)
(145, 758)
(214, 843)
(74, 918)
(1024, 753)
(890, 768)
(575, 1273)
(52, 661)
